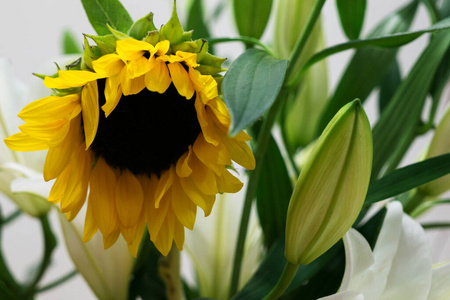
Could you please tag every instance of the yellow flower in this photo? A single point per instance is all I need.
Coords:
(144, 133)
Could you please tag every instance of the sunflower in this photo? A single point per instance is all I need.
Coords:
(140, 132)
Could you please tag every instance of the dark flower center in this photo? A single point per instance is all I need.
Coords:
(146, 132)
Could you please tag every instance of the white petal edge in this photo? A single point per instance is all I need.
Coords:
(440, 286)
(344, 296)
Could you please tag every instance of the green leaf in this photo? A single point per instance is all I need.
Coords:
(273, 194)
(388, 86)
(141, 27)
(369, 65)
(407, 178)
(70, 44)
(398, 123)
(196, 20)
(251, 85)
(251, 16)
(351, 14)
(103, 12)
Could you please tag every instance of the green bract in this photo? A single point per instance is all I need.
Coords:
(331, 189)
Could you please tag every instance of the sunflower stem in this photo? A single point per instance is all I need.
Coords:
(169, 271)
(263, 141)
(283, 283)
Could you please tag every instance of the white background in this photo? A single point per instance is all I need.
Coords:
(31, 33)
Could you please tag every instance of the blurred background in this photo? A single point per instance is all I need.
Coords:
(31, 39)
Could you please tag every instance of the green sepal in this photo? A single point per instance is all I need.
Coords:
(152, 37)
(42, 76)
(172, 30)
(208, 70)
(212, 60)
(75, 65)
(200, 47)
(141, 27)
(118, 34)
(106, 44)
(187, 36)
(88, 55)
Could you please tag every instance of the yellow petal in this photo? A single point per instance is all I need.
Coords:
(227, 183)
(51, 133)
(208, 129)
(129, 198)
(50, 109)
(130, 49)
(158, 80)
(89, 102)
(110, 239)
(163, 241)
(189, 58)
(59, 187)
(185, 210)
(214, 157)
(108, 65)
(183, 169)
(138, 67)
(59, 157)
(203, 177)
(162, 47)
(178, 235)
(156, 216)
(133, 247)
(205, 202)
(23, 142)
(165, 182)
(240, 152)
(113, 93)
(205, 84)
(90, 226)
(71, 78)
(220, 111)
(181, 80)
(101, 197)
(131, 86)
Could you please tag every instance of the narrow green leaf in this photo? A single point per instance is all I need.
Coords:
(70, 44)
(251, 85)
(103, 12)
(141, 27)
(407, 178)
(351, 14)
(388, 41)
(251, 16)
(196, 20)
(369, 65)
(400, 119)
(273, 194)
(388, 86)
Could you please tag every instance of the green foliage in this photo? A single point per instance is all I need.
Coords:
(107, 12)
(388, 86)
(250, 86)
(351, 14)
(70, 45)
(196, 20)
(251, 16)
(141, 27)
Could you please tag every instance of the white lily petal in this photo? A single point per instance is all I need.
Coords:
(410, 275)
(35, 186)
(440, 287)
(21, 169)
(358, 261)
(106, 271)
(344, 296)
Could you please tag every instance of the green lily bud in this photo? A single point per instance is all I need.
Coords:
(440, 144)
(172, 30)
(331, 189)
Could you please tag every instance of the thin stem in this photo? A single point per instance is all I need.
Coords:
(49, 246)
(11, 217)
(263, 141)
(433, 11)
(169, 271)
(283, 283)
(413, 201)
(436, 225)
(245, 39)
(58, 281)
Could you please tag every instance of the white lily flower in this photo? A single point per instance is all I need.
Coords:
(211, 246)
(399, 267)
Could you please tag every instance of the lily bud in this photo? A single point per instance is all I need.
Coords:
(440, 144)
(331, 189)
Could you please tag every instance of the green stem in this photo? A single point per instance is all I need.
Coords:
(414, 201)
(169, 271)
(426, 206)
(49, 246)
(436, 225)
(245, 39)
(283, 283)
(11, 217)
(433, 11)
(58, 281)
(263, 141)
